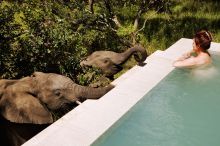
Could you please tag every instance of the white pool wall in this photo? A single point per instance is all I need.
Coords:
(87, 122)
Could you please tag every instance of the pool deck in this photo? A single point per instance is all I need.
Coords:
(87, 122)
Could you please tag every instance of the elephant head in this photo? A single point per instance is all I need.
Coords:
(110, 62)
(30, 99)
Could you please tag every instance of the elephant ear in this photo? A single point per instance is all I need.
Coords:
(107, 63)
(24, 108)
(110, 67)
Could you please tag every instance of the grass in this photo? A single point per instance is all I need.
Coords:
(187, 17)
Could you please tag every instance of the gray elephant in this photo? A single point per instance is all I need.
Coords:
(110, 62)
(30, 100)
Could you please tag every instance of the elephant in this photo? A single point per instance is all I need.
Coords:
(110, 62)
(31, 100)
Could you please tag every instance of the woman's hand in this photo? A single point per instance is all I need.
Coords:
(185, 56)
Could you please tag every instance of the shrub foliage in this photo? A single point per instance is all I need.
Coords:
(53, 36)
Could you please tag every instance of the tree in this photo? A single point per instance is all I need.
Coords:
(52, 36)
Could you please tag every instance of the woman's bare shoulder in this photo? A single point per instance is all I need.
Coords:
(204, 59)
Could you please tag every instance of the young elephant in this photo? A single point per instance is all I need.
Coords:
(30, 99)
(26, 104)
(110, 62)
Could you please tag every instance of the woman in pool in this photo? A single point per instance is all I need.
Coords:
(199, 55)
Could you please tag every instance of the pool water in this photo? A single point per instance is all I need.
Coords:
(182, 110)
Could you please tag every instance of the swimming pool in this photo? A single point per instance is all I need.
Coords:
(182, 110)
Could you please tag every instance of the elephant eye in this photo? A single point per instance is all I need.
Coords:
(106, 60)
(57, 92)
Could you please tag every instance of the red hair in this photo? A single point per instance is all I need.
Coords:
(203, 39)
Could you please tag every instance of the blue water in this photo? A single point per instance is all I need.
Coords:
(182, 110)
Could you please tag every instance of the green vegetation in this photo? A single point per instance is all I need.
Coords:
(53, 36)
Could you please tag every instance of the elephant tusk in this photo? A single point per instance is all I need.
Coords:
(78, 102)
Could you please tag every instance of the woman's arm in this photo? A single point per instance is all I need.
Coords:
(190, 62)
(186, 60)
(185, 55)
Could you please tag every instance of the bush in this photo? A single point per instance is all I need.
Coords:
(48, 36)
(53, 36)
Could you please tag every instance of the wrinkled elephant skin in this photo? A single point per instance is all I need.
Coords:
(110, 62)
(26, 104)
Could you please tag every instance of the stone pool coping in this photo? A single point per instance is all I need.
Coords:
(87, 122)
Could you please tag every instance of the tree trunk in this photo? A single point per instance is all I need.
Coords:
(91, 2)
(115, 19)
(141, 10)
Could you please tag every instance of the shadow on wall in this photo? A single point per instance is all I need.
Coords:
(14, 134)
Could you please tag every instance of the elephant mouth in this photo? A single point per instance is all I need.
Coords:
(91, 69)
(85, 66)
(58, 113)
(82, 63)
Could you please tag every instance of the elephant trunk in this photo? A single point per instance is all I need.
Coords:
(140, 49)
(82, 92)
(135, 50)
